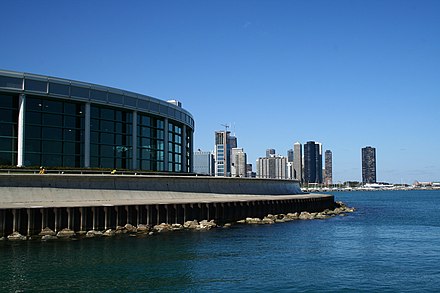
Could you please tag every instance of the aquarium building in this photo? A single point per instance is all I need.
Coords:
(55, 122)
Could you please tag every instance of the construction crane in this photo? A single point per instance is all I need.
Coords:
(226, 126)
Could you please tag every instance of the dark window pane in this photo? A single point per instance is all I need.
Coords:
(154, 107)
(7, 159)
(107, 163)
(33, 118)
(108, 126)
(170, 112)
(79, 92)
(51, 160)
(33, 131)
(7, 102)
(107, 138)
(69, 148)
(145, 131)
(70, 109)
(71, 161)
(8, 129)
(70, 121)
(59, 89)
(35, 85)
(33, 145)
(7, 144)
(52, 120)
(115, 98)
(70, 134)
(108, 114)
(32, 159)
(146, 121)
(51, 147)
(52, 133)
(94, 162)
(94, 150)
(145, 143)
(94, 137)
(53, 106)
(143, 104)
(94, 124)
(163, 109)
(129, 101)
(33, 104)
(8, 115)
(94, 112)
(145, 165)
(98, 95)
(11, 82)
(107, 151)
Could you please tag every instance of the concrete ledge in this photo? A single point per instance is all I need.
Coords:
(29, 191)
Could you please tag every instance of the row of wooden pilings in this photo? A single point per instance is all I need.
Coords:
(31, 221)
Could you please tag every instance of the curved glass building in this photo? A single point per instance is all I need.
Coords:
(54, 122)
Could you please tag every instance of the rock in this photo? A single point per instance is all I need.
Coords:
(2, 238)
(66, 233)
(207, 225)
(151, 233)
(292, 216)
(253, 221)
(304, 216)
(163, 227)
(241, 222)
(267, 220)
(321, 216)
(109, 233)
(130, 228)
(49, 237)
(16, 236)
(143, 229)
(191, 224)
(176, 227)
(120, 230)
(93, 233)
(270, 216)
(227, 225)
(47, 231)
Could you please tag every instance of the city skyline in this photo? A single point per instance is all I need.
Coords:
(344, 73)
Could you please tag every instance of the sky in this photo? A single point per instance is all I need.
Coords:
(346, 73)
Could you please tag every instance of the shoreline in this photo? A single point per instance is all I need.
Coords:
(142, 230)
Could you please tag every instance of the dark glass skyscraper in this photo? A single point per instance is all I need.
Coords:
(312, 162)
(368, 165)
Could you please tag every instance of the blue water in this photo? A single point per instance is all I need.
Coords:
(391, 244)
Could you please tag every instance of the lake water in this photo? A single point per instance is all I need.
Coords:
(390, 244)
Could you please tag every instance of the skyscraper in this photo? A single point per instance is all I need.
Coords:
(238, 162)
(368, 165)
(328, 168)
(274, 167)
(297, 162)
(222, 153)
(312, 162)
(203, 163)
(290, 155)
(270, 152)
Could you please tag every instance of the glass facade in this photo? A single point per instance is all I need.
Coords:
(8, 129)
(150, 143)
(79, 125)
(111, 133)
(54, 133)
(175, 147)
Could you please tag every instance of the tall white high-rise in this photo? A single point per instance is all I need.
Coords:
(239, 162)
(297, 162)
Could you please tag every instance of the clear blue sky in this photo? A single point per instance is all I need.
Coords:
(345, 73)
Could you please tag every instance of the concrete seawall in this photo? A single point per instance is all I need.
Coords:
(29, 203)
